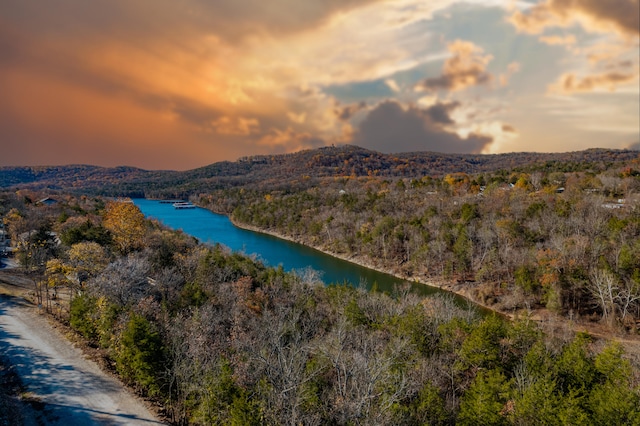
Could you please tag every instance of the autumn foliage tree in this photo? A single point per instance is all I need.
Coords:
(125, 221)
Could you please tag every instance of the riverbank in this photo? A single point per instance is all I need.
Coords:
(552, 323)
(443, 285)
(486, 296)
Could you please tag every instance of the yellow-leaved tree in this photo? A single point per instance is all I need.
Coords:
(125, 221)
(87, 259)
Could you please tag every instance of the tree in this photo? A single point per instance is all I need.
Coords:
(73, 233)
(86, 260)
(365, 368)
(485, 400)
(123, 282)
(482, 348)
(613, 401)
(628, 297)
(429, 407)
(126, 223)
(574, 369)
(536, 403)
(603, 286)
(463, 251)
(139, 356)
(15, 222)
(81, 313)
(36, 247)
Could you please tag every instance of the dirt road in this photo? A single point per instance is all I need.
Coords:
(71, 390)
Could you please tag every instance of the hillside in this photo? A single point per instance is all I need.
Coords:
(296, 170)
(214, 337)
(68, 177)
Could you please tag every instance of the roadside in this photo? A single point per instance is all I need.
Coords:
(47, 380)
(15, 406)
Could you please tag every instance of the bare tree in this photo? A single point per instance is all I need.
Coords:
(124, 281)
(361, 361)
(603, 286)
(628, 297)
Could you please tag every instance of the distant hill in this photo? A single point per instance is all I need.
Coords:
(62, 176)
(300, 169)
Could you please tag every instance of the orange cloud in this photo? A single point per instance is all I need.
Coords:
(48, 122)
(465, 68)
(182, 84)
(236, 126)
(289, 140)
(621, 16)
(223, 71)
(570, 83)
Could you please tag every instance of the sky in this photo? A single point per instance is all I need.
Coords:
(180, 84)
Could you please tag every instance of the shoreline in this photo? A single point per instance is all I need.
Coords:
(357, 260)
(549, 321)
(540, 316)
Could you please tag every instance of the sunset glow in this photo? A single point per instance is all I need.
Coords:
(177, 85)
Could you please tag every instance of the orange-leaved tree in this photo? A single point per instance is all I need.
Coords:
(126, 223)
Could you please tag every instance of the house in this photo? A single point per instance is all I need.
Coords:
(618, 205)
(26, 236)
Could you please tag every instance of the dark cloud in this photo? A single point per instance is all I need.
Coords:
(391, 128)
(466, 68)
(623, 15)
(232, 20)
(440, 113)
(462, 79)
(345, 113)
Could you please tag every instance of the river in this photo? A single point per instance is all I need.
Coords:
(209, 227)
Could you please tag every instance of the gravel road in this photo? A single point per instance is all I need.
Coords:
(71, 390)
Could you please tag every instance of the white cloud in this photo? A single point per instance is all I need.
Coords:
(391, 84)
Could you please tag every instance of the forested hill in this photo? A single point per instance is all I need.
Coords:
(297, 169)
(71, 176)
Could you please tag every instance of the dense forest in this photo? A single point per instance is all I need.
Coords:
(300, 170)
(218, 338)
(567, 242)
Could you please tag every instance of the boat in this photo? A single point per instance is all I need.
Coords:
(184, 205)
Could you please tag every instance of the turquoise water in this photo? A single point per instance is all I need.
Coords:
(213, 228)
